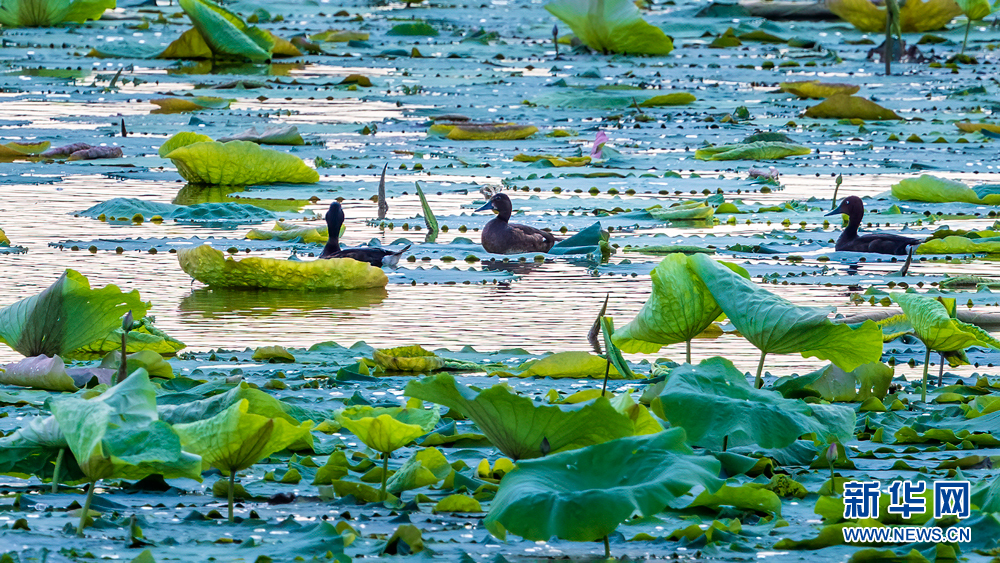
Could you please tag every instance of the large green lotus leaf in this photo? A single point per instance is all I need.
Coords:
(32, 449)
(45, 13)
(284, 231)
(38, 372)
(386, 429)
(918, 15)
(144, 337)
(776, 326)
(426, 467)
(942, 190)
(212, 268)
(842, 106)
(758, 150)
(182, 139)
(834, 384)
(695, 211)
(611, 26)
(239, 163)
(975, 9)
(117, 434)
(83, 10)
(583, 495)
(67, 316)
(937, 329)
(679, 308)
(568, 364)
(226, 33)
(713, 400)
(408, 359)
(516, 425)
(960, 245)
(258, 403)
(742, 497)
(234, 439)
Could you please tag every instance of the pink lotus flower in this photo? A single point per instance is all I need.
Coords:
(599, 140)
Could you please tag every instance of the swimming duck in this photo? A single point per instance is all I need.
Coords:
(501, 237)
(377, 257)
(881, 243)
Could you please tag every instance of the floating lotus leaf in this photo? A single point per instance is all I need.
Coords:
(970, 127)
(15, 150)
(258, 403)
(427, 467)
(834, 384)
(568, 364)
(457, 503)
(287, 232)
(679, 308)
(226, 33)
(197, 103)
(273, 354)
(960, 245)
(386, 429)
(67, 316)
(774, 325)
(915, 16)
(583, 495)
(153, 363)
(933, 189)
(516, 425)
(713, 402)
(212, 268)
(408, 358)
(4, 241)
(818, 90)
(483, 131)
(239, 163)
(759, 150)
(683, 212)
(675, 99)
(340, 36)
(611, 26)
(190, 45)
(842, 106)
(43, 372)
(288, 135)
(414, 29)
(556, 161)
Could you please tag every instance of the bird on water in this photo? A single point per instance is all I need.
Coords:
(881, 243)
(375, 256)
(502, 237)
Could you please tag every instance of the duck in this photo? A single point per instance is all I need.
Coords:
(375, 256)
(501, 237)
(881, 243)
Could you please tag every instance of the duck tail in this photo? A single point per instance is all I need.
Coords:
(404, 249)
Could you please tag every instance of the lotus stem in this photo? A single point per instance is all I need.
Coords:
(385, 473)
(760, 370)
(887, 52)
(86, 509)
(688, 351)
(232, 490)
(725, 442)
(836, 188)
(55, 472)
(941, 371)
(607, 548)
(968, 26)
(923, 389)
(607, 371)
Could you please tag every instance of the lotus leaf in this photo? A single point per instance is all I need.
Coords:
(340, 36)
(975, 9)
(284, 231)
(258, 403)
(46, 13)
(941, 190)
(427, 467)
(4, 241)
(516, 425)
(429, 219)
(920, 15)
(288, 135)
(552, 160)
(775, 325)
(408, 358)
(970, 127)
(713, 402)
(483, 131)
(181, 105)
(212, 268)
(144, 337)
(239, 163)
(675, 99)
(414, 29)
(153, 363)
(457, 503)
(818, 90)
(583, 495)
(960, 245)
(190, 45)
(679, 308)
(937, 329)
(273, 354)
(759, 150)
(33, 450)
(611, 26)
(335, 468)
(568, 364)
(67, 316)
(830, 535)
(43, 372)
(742, 497)
(843, 106)
(834, 384)
(226, 33)
(695, 211)
(15, 150)
(386, 429)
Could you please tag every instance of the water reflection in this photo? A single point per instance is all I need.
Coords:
(515, 267)
(210, 303)
(193, 194)
(243, 69)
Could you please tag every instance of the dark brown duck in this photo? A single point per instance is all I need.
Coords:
(377, 257)
(881, 243)
(502, 237)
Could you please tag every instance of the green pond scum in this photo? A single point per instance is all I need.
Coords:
(692, 372)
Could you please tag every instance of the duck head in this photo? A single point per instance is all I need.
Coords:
(501, 203)
(335, 217)
(851, 206)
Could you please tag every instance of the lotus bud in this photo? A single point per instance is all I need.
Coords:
(544, 447)
(127, 321)
(831, 453)
(555, 31)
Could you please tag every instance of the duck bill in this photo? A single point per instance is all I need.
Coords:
(836, 211)
(489, 205)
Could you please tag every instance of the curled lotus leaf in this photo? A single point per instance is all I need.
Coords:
(483, 131)
(239, 163)
(970, 127)
(226, 33)
(212, 268)
(843, 106)
(937, 329)
(181, 139)
(914, 16)
(758, 150)
(816, 89)
(584, 494)
(284, 231)
(933, 189)
(386, 429)
(408, 358)
(568, 364)
(960, 245)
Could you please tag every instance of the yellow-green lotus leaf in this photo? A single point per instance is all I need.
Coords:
(235, 439)
(975, 9)
(212, 268)
(144, 337)
(914, 16)
(239, 163)
(693, 211)
(190, 45)
(817, 90)
(46, 13)
(285, 231)
(408, 358)
(336, 467)
(960, 245)
(842, 106)
(937, 329)
(483, 131)
(182, 139)
(970, 127)
(273, 353)
(675, 99)
(4, 241)
(933, 189)
(568, 364)
(340, 36)
(226, 33)
(759, 150)
(556, 161)
(743, 497)
(386, 429)
(427, 467)
(457, 503)
(153, 363)
(181, 105)
(611, 26)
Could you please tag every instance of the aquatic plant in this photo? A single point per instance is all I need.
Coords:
(611, 26)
